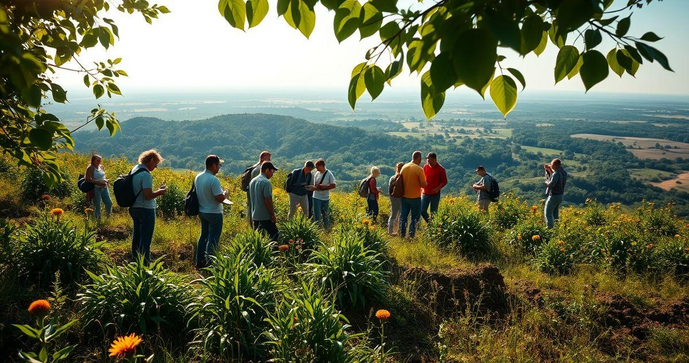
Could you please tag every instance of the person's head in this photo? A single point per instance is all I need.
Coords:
(96, 160)
(375, 171)
(432, 159)
(416, 157)
(308, 166)
(265, 156)
(398, 168)
(213, 163)
(555, 164)
(267, 169)
(480, 170)
(320, 165)
(151, 159)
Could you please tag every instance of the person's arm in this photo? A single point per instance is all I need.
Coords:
(218, 193)
(372, 186)
(443, 182)
(269, 205)
(553, 180)
(88, 175)
(422, 180)
(147, 188)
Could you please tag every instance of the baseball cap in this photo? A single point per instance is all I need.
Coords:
(267, 165)
(480, 167)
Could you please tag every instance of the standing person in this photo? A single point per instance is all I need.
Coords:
(143, 211)
(299, 184)
(324, 182)
(373, 194)
(555, 180)
(262, 209)
(482, 188)
(95, 174)
(211, 196)
(395, 203)
(436, 180)
(413, 179)
(253, 171)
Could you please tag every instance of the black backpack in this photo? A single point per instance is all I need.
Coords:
(494, 192)
(84, 186)
(123, 188)
(191, 202)
(289, 183)
(246, 176)
(364, 190)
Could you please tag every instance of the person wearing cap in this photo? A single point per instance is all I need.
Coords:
(262, 209)
(413, 179)
(436, 179)
(264, 156)
(482, 188)
(211, 196)
(301, 182)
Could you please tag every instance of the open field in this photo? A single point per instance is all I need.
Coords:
(543, 150)
(647, 174)
(645, 148)
(681, 182)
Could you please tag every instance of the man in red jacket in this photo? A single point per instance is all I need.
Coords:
(437, 180)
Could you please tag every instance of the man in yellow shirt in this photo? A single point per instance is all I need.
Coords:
(413, 179)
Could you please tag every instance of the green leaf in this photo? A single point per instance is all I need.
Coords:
(114, 89)
(283, 5)
(87, 81)
(442, 70)
(531, 34)
(557, 38)
(594, 70)
(623, 26)
(505, 29)
(357, 85)
(613, 63)
(503, 91)
(387, 32)
(98, 91)
(393, 70)
(431, 100)
(608, 21)
(371, 20)
(32, 95)
(519, 76)
(301, 17)
(63, 353)
(28, 331)
(374, 79)
(234, 11)
(576, 69)
(59, 94)
(418, 56)
(592, 38)
(388, 6)
(566, 60)
(256, 11)
(474, 57)
(541, 46)
(626, 61)
(41, 138)
(347, 19)
(650, 37)
(652, 54)
(105, 36)
(90, 39)
(574, 13)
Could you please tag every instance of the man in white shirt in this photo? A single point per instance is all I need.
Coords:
(324, 181)
(211, 196)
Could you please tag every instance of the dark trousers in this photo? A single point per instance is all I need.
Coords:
(432, 201)
(211, 228)
(270, 228)
(144, 223)
(372, 209)
(413, 206)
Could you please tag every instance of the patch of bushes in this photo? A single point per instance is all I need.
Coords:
(461, 229)
(299, 227)
(33, 186)
(171, 204)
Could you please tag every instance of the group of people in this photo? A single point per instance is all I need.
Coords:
(413, 190)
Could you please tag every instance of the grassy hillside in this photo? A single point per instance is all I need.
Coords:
(604, 285)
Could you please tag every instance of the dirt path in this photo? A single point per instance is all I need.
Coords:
(672, 183)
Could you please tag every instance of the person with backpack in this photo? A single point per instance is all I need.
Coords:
(298, 184)
(395, 202)
(143, 210)
(413, 179)
(95, 174)
(555, 180)
(248, 175)
(325, 181)
(483, 189)
(373, 193)
(436, 179)
(262, 209)
(210, 196)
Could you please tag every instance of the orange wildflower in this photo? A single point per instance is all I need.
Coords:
(58, 212)
(125, 346)
(382, 315)
(535, 237)
(39, 308)
(366, 222)
(283, 248)
(45, 197)
(88, 210)
(534, 209)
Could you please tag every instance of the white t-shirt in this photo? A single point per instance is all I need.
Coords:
(207, 187)
(327, 181)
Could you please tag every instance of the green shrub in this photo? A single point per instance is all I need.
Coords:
(373, 237)
(50, 246)
(594, 213)
(171, 204)
(556, 257)
(624, 250)
(347, 268)
(673, 256)
(260, 246)
(299, 227)
(231, 314)
(136, 298)
(306, 327)
(659, 221)
(509, 211)
(33, 186)
(529, 235)
(462, 229)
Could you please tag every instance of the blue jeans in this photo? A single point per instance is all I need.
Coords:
(394, 220)
(552, 209)
(372, 209)
(211, 228)
(144, 223)
(320, 207)
(101, 194)
(433, 201)
(412, 205)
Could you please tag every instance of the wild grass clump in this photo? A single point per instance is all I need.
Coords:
(49, 246)
(529, 235)
(235, 302)
(136, 298)
(509, 211)
(461, 229)
(253, 243)
(33, 186)
(171, 204)
(373, 237)
(299, 228)
(347, 268)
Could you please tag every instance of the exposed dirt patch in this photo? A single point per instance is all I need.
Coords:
(113, 233)
(10, 209)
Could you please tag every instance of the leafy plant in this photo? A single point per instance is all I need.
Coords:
(171, 204)
(299, 227)
(256, 244)
(673, 256)
(529, 235)
(350, 270)
(33, 186)
(462, 229)
(556, 257)
(45, 332)
(373, 237)
(509, 211)
(232, 310)
(136, 297)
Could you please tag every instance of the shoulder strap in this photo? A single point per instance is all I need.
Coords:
(323, 177)
(137, 172)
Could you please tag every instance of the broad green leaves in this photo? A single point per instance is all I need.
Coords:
(234, 11)
(431, 99)
(300, 16)
(566, 60)
(503, 91)
(374, 78)
(371, 20)
(594, 69)
(256, 10)
(474, 57)
(347, 19)
(531, 34)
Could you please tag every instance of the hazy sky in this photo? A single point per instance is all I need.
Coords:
(193, 48)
